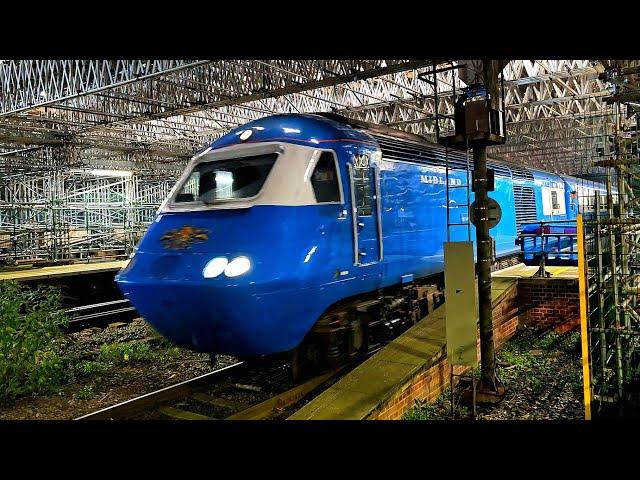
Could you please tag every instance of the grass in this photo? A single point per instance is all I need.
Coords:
(129, 352)
(86, 392)
(112, 356)
(439, 410)
(423, 411)
(93, 367)
(168, 354)
(118, 354)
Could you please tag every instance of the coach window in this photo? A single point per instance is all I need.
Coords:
(325, 179)
(362, 184)
(554, 200)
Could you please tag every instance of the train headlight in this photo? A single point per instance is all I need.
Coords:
(237, 267)
(215, 267)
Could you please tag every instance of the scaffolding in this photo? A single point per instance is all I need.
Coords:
(82, 214)
(609, 198)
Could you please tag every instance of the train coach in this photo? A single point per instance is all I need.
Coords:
(314, 234)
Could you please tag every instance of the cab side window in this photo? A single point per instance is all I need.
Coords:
(325, 179)
(362, 185)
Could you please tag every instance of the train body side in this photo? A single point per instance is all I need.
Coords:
(552, 202)
(414, 223)
(304, 257)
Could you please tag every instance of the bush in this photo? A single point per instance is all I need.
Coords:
(91, 367)
(119, 353)
(85, 393)
(30, 359)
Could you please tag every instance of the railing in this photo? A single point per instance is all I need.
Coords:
(549, 243)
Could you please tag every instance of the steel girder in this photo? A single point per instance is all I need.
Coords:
(174, 108)
(160, 112)
(30, 84)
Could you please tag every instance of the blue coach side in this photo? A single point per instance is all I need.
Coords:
(414, 195)
(551, 196)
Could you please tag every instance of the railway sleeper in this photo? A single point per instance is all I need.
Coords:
(219, 402)
(180, 414)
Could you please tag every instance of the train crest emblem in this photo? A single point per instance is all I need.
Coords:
(184, 237)
(361, 160)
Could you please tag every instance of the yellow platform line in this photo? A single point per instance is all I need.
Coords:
(62, 270)
(559, 270)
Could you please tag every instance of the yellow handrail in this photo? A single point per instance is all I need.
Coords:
(586, 374)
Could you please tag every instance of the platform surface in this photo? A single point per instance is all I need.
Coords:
(361, 391)
(523, 271)
(62, 271)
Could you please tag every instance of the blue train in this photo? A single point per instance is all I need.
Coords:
(313, 230)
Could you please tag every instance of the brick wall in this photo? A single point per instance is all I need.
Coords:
(552, 303)
(547, 302)
(429, 383)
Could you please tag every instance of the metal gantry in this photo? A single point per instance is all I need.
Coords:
(172, 108)
(78, 214)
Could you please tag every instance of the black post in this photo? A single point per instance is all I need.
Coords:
(483, 245)
(490, 389)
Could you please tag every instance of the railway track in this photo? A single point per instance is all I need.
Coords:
(240, 391)
(101, 313)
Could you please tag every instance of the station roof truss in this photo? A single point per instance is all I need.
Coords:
(154, 114)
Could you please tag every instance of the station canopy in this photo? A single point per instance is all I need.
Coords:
(152, 115)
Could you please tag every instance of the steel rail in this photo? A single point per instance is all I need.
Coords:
(150, 400)
(282, 401)
(276, 404)
(93, 312)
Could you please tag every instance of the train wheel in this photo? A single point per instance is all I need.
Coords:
(306, 360)
(297, 366)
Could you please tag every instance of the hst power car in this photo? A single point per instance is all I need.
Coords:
(310, 229)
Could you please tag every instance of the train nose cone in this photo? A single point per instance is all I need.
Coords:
(176, 313)
(236, 312)
(225, 319)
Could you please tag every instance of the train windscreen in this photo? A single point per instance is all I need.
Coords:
(223, 180)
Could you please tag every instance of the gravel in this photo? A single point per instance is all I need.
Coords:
(543, 374)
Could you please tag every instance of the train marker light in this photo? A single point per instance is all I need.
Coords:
(215, 267)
